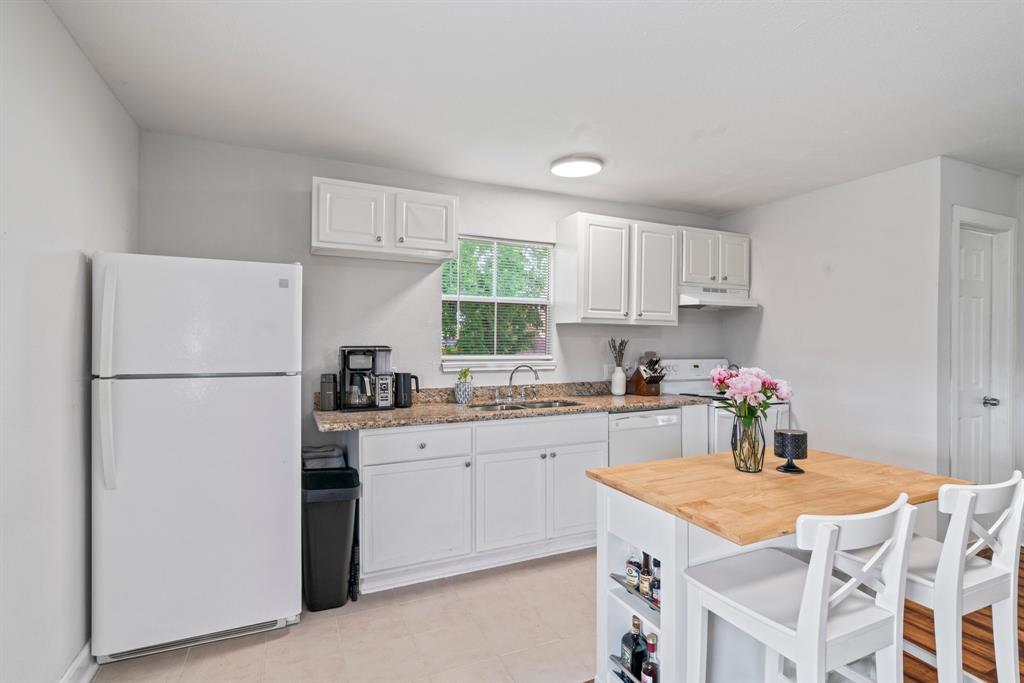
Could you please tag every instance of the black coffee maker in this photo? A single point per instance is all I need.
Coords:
(360, 369)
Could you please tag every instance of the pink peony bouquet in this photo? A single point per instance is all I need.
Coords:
(747, 391)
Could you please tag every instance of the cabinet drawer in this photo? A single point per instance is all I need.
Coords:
(541, 432)
(415, 444)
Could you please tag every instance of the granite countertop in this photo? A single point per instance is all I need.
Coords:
(429, 413)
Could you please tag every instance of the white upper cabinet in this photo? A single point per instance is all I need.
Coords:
(700, 256)
(613, 270)
(655, 271)
(350, 214)
(376, 221)
(424, 220)
(606, 268)
(734, 260)
(712, 257)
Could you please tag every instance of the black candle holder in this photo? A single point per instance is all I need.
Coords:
(790, 444)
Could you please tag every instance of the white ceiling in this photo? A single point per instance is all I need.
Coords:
(700, 106)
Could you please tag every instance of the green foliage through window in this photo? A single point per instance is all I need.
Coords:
(495, 299)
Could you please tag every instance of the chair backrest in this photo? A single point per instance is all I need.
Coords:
(966, 536)
(890, 529)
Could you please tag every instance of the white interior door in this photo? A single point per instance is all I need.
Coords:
(606, 269)
(974, 424)
(195, 507)
(510, 498)
(655, 273)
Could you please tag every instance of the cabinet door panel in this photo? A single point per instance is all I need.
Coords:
(416, 512)
(700, 257)
(425, 220)
(606, 270)
(510, 498)
(735, 260)
(350, 214)
(655, 273)
(571, 496)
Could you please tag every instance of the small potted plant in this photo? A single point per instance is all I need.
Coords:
(746, 394)
(464, 386)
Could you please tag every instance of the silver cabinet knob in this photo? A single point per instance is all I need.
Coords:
(724, 278)
(640, 314)
(714, 277)
(421, 445)
(401, 239)
(625, 314)
(468, 464)
(543, 456)
(989, 402)
(554, 455)
(379, 238)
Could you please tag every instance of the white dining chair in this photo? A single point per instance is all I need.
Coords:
(952, 580)
(798, 610)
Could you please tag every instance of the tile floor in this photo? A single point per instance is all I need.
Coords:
(532, 622)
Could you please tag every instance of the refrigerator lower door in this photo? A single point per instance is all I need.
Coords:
(195, 507)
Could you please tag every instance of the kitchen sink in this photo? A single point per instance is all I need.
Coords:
(496, 407)
(549, 404)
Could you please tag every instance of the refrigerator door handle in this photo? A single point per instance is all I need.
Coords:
(105, 412)
(107, 320)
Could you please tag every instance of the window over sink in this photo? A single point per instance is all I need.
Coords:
(495, 305)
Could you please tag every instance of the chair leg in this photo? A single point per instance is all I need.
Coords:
(889, 664)
(1004, 632)
(949, 644)
(772, 665)
(696, 637)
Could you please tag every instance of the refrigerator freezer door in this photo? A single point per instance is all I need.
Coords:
(162, 315)
(196, 507)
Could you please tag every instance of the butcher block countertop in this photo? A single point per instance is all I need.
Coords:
(444, 413)
(708, 491)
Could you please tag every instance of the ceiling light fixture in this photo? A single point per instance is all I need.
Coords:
(576, 166)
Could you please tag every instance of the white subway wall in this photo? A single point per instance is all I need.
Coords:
(213, 200)
(847, 278)
(69, 173)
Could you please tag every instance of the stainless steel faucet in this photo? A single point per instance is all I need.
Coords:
(522, 393)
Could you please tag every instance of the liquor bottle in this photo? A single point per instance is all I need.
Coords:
(645, 577)
(650, 669)
(633, 569)
(634, 649)
(656, 584)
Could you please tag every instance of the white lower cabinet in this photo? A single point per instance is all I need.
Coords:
(415, 512)
(510, 498)
(571, 502)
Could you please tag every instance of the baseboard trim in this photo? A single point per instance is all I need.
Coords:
(82, 668)
(396, 578)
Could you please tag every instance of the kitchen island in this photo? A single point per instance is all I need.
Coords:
(693, 510)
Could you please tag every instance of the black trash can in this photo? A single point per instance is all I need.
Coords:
(329, 501)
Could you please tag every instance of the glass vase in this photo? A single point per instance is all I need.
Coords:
(748, 443)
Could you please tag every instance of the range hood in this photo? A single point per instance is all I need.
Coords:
(714, 298)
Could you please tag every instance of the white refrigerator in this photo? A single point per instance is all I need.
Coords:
(195, 451)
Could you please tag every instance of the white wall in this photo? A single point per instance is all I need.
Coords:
(975, 187)
(69, 184)
(847, 277)
(212, 200)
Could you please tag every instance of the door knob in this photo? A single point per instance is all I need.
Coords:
(989, 402)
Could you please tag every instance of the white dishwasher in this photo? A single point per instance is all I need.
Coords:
(643, 436)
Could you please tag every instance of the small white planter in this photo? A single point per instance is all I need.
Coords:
(463, 392)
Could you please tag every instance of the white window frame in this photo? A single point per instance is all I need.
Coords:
(505, 362)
